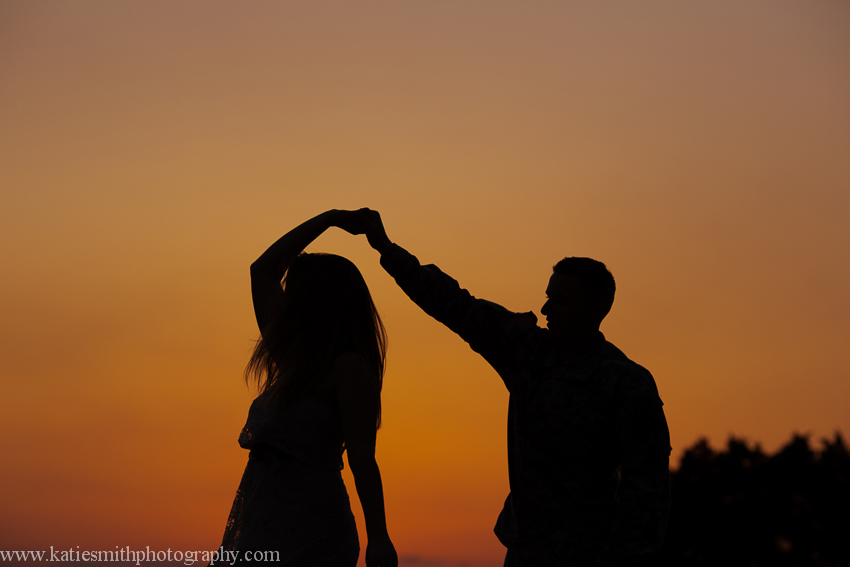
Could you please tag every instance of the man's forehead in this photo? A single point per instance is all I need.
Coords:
(560, 284)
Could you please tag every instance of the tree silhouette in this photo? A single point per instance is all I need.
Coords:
(740, 507)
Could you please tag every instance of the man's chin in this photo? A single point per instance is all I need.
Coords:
(561, 332)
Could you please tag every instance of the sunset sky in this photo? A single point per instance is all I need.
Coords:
(151, 150)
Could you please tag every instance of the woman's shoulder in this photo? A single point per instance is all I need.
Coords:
(350, 360)
(349, 364)
(352, 375)
(347, 368)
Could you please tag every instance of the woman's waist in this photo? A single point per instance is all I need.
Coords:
(279, 453)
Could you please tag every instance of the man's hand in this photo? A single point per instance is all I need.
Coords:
(376, 234)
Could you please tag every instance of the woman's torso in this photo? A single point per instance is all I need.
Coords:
(309, 430)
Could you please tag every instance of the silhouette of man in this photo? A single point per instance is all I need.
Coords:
(588, 444)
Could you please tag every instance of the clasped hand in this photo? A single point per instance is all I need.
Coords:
(363, 221)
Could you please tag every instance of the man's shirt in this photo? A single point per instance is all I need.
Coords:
(588, 444)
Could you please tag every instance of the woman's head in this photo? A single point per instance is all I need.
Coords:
(325, 310)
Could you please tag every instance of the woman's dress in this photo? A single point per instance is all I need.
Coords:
(292, 498)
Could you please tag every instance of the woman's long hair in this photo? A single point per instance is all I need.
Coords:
(326, 309)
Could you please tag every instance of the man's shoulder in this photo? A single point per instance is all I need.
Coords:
(613, 358)
(624, 375)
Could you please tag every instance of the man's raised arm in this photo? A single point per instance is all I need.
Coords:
(486, 326)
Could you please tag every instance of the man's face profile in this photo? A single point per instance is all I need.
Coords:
(568, 313)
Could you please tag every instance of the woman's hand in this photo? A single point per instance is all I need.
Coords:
(352, 222)
(364, 221)
(381, 553)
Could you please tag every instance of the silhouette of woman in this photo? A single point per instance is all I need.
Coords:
(318, 366)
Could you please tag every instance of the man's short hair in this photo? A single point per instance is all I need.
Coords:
(596, 281)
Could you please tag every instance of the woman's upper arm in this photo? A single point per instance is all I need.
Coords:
(358, 398)
(266, 292)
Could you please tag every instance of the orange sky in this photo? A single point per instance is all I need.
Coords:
(149, 151)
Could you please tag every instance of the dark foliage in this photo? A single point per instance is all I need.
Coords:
(740, 507)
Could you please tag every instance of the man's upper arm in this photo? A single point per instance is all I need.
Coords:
(489, 328)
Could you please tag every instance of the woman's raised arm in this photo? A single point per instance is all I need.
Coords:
(267, 271)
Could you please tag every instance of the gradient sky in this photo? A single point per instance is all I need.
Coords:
(150, 151)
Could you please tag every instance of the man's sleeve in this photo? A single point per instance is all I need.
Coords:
(643, 508)
(490, 329)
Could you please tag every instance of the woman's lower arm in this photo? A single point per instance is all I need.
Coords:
(278, 256)
(367, 479)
